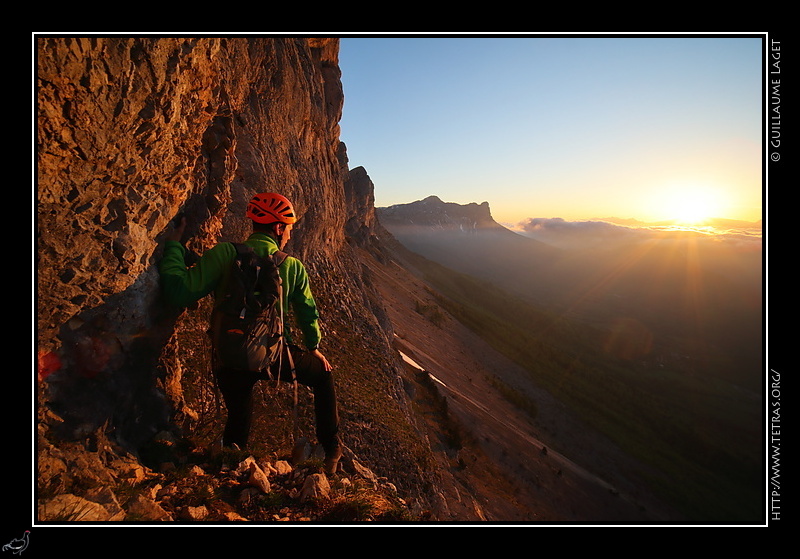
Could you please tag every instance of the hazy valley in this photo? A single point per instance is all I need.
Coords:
(654, 338)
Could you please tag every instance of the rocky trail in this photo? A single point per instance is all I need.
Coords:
(193, 484)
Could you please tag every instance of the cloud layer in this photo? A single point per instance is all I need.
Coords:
(575, 234)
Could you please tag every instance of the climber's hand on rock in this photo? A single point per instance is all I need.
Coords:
(177, 227)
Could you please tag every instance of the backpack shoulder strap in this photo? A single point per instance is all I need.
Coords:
(241, 249)
(278, 257)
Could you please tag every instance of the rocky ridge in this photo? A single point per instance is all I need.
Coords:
(433, 212)
(132, 131)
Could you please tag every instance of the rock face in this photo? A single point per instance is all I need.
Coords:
(132, 132)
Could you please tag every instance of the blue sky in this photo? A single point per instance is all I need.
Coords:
(577, 128)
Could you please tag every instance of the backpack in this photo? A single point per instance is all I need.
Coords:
(247, 321)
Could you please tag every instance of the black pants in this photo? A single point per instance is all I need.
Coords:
(236, 387)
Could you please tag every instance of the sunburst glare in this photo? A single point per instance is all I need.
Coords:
(690, 204)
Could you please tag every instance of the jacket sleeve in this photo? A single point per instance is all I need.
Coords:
(303, 304)
(183, 286)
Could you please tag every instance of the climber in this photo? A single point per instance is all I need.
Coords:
(273, 218)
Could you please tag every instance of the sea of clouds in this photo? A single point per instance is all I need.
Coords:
(585, 234)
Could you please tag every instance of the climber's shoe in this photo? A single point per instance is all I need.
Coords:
(332, 461)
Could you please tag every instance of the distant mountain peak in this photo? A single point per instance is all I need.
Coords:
(432, 211)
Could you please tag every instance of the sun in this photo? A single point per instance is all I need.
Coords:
(693, 209)
(691, 204)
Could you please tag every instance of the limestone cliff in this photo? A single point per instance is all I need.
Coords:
(433, 212)
(133, 131)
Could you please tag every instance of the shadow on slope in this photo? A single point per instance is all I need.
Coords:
(505, 444)
(698, 433)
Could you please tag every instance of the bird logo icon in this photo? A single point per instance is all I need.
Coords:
(18, 545)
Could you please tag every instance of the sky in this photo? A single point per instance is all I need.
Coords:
(577, 128)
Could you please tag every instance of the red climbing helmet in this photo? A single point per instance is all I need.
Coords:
(269, 207)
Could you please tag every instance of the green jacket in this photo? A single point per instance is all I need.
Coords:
(183, 286)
